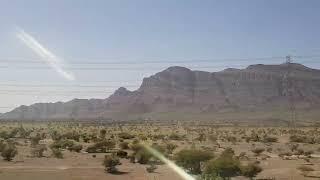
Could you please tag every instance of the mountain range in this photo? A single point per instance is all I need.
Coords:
(181, 93)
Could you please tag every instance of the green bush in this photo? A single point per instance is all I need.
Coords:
(122, 154)
(55, 136)
(125, 135)
(170, 148)
(257, 151)
(2, 145)
(250, 170)
(35, 140)
(71, 136)
(176, 137)
(57, 153)
(269, 139)
(75, 148)
(9, 152)
(143, 156)
(62, 144)
(225, 166)
(4, 135)
(38, 150)
(302, 139)
(124, 145)
(191, 159)
(101, 147)
(110, 162)
(103, 133)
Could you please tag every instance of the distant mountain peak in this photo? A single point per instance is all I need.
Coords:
(121, 91)
(180, 90)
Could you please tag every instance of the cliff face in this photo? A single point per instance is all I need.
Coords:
(178, 89)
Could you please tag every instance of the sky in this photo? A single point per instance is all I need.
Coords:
(87, 49)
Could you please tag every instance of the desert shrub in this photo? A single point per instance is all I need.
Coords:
(101, 147)
(305, 168)
(257, 151)
(75, 148)
(170, 148)
(282, 154)
(269, 149)
(177, 137)
(4, 135)
(57, 153)
(143, 137)
(85, 138)
(35, 140)
(38, 150)
(103, 133)
(269, 139)
(158, 137)
(9, 152)
(242, 155)
(135, 147)
(202, 137)
(13, 133)
(151, 168)
(142, 155)
(293, 147)
(124, 145)
(62, 144)
(298, 152)
(254, 137)
(308, 153)
(110, 162)
(2, 145)
(55, 135)
(122, 154)
(250, 170)
(213, 138)
(132, 159)
(225, 166)
(231, 139)
(302, 139)
(71, 136)
(125, 135)
(191, 159)
(23, 133)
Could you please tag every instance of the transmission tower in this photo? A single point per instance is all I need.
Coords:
(290, 91)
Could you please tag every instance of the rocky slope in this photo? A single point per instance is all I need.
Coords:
(178, 89)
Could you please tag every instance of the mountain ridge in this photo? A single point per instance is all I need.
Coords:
(179, 89)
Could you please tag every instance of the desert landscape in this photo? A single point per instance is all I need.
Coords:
(115, 151)
(180, 124)
(159, 90)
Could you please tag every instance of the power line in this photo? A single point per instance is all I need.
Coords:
(114, 68)
(209, 60)
(37, 91)
(7, 107)
(67, 85)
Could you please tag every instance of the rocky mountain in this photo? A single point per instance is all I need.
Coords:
(181, 90)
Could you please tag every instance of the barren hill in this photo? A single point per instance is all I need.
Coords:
(179, 90)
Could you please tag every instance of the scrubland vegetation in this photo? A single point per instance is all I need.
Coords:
(205, 152)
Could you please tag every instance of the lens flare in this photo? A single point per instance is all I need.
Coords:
(48, 57)
(171, 164)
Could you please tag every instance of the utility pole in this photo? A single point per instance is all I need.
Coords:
(290, 91)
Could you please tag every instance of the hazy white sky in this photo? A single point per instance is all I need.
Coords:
(71, 32)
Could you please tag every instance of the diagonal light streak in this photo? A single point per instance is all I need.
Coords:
(52, 60)
(171, 164)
